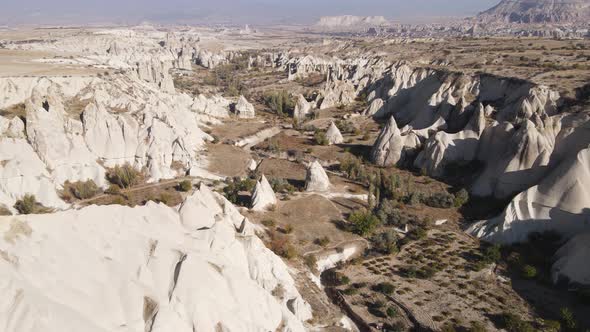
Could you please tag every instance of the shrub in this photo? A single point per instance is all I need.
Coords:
(282, 186)
(324, 241)
(280, 102)
(26, 205)
(124, 176)
(529, 272)
(492, 254)
(113, 190)
(82, 189)
(461, 197)
(551, 326)
(477, 327)
(513, 323)
(289, 229)
(353, 168)
(391, 312)
(363, 222)
(351, 291)
(386, 242)
(567, 318)
(320, 138)
(269, 223)
(281, 246)
(235, 186)
(185, 185)
(385, 288)
(441, 200)
(311, 262)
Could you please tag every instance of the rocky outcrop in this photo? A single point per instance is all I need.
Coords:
(333, 135)
(374, 107)
(558, 203)
(444, 149)
(302, 108)
(316, 179)
(145, 269)
(571, 261)
(393, 148)
(263, 196)
(537, 11)
(349, 23)
(243, 109)
(215, 106)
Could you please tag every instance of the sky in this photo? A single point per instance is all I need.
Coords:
(13, 12)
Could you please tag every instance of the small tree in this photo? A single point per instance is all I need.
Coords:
(363, 222)
(529, 272)
(461, 197)
(567, 318)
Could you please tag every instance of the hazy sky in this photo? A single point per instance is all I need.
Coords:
(236, 11)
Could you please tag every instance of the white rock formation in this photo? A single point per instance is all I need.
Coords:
(392, 147)
(333, 135)
(443, 149)
(244, 109)
(215, 106)
(263, 196)
(107, 268)
(316, 179)
(302, 108)
(374, 108)
(558, 203)
(571, 261)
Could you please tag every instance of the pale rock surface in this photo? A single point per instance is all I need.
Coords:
(216, 106)
(558, 203)
(571, 261)
(374, 107)
(302, 108)
(244, 109)
(316, 179)
(13, 128)
(391, 147)
(143, 269)
(443, 148)
(333, 135)
(263, 196)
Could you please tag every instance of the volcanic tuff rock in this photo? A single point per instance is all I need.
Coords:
(144, 268)
(302, 108)
(263, 196)
(571, 261)
(391, 147)
(244, 109)
(333, 135)
(316, 179)
(538, 11)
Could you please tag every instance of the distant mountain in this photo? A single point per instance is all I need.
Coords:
(538, 11)
(350, 22)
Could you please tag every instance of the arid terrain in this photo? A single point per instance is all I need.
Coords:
(293, 179)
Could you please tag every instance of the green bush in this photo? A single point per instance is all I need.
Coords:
(236, 185)
(385, 242)
(567, 318)
(113, 190)
(124, 176)
(513, 323)
(461, 197)
(280, 102)
(324, 241)
(185, 186)
(529, 272)
(442, 200)
(26, 205)
(385, 288)
(391, 312)
(269, 223)
(320, 138)
(82, 189)
(551, 326)
(363, 222)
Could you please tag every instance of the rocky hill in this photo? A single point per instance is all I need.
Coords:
(349, 22)
(538, 11)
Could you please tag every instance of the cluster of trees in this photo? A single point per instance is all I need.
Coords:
(280, 102)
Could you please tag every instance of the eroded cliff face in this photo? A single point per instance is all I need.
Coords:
(150, 268)
(526, 144)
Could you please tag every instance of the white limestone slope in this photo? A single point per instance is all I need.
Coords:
(263, 196)
(115, 268)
